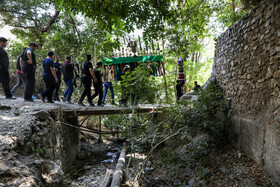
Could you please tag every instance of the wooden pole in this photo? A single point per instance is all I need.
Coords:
(95, 52)
(141, 54)
(165, 83)
(118, 174)
(100, 137)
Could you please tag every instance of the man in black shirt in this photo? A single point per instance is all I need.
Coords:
(98, 85)
(196, 87)
(77, 71)
(4, 68)
(20, 75)
(29, 68)
(58, 70)
(68, 76)
(179, 89)
(87, 75)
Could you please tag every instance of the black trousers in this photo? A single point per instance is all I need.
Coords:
(87, 92)
(55, 92)
(124, 96)
(5, 78)
(30, 82)
(98, 92)
(179, 95)
(50, 84)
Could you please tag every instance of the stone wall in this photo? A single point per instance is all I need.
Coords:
(36, 147)
(247, 60)
(53, 140)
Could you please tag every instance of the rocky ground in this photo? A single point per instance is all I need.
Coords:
(92, 162)
(33, 147)
(25, 159)
(228, 167)
(22, 126)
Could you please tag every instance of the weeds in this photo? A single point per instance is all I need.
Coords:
(37, 152)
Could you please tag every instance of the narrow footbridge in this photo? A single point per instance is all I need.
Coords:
(108, 109)
(16, 111)
(75, 109)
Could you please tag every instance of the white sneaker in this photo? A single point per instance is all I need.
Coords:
(63, 98)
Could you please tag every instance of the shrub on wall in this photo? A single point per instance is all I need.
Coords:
(210, 113)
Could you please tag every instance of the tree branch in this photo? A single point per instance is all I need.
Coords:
(17, 12)
(24, 27)
(51, 22)
(75, 28)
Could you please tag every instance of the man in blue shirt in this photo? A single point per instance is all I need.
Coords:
(49, 77)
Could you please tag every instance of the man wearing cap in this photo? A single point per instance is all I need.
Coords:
(98, 85)
(29, 68)
(4, 67)
(68, 76)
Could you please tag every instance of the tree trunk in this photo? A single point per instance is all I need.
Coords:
(118, 174)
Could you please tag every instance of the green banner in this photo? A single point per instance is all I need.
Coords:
(127, 60)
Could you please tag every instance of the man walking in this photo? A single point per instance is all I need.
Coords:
(58, 69)
(49, 77)
(87, 75)
(4, 68)
(108, 79)
(28, 68)
(20, 75)
(179, 89)
(98, 85)
(68, 76)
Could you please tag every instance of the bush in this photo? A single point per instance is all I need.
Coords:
(210, 113)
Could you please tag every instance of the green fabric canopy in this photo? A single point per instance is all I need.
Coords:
(126, 60)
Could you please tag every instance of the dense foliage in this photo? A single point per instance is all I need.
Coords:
(209, 113)
(179, 28)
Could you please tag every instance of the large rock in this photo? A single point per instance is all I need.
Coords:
(52, 174)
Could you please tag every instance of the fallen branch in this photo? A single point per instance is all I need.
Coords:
(107, 179)
(151, 151)
(118, 174)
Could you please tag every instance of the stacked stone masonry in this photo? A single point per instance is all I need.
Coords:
(247, 59)
(35, 148)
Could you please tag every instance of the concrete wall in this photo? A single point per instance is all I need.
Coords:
(247, 60)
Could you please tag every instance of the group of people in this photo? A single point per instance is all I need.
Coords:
(52, 71)
(26, 66)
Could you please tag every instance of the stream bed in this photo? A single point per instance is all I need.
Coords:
(92, 163)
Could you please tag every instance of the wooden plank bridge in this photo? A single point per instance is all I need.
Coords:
(77, 110)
